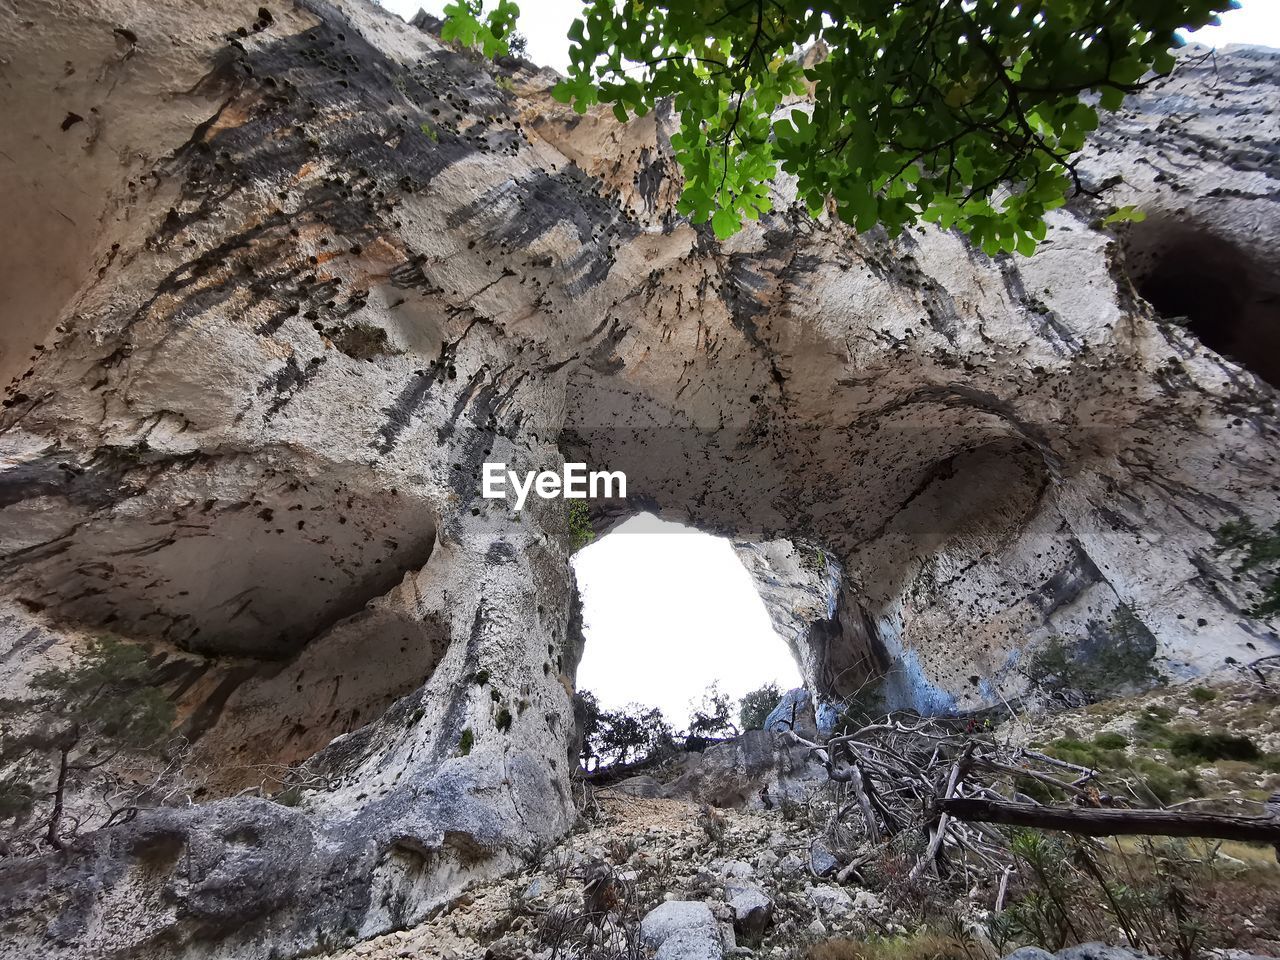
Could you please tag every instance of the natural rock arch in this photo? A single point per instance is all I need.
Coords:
(358, 267)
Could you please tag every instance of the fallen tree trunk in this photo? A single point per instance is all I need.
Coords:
(1106, 822)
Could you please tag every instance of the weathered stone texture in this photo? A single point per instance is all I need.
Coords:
(301, 274)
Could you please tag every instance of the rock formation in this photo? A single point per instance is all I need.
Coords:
(287, 276)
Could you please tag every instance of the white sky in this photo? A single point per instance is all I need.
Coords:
(546, 24)
(668, 612)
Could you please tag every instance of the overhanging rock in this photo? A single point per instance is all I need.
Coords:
(308, 272)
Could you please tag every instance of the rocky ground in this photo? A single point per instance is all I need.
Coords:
(688, 880)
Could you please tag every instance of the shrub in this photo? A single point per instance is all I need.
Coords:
(581, 532)
(1213, 746)
(1161, 783)
(926, 944)
(1150, 727)
(1202, 695)
(1111, 741)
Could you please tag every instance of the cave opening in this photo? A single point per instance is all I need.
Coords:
(669, 611)
(1220, 292)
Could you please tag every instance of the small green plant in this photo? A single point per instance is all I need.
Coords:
(288, 797)
(581, 531)
(927, 943)
(429, 131)
(466, 742)
(1203, 695)
(503, 719)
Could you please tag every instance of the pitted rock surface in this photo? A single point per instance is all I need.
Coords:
(302, 275)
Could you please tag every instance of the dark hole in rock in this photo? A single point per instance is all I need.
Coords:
(1222, 293)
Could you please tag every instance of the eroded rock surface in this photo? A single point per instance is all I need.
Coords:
(304, 269)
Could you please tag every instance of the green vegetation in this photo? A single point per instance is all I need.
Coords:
(631, 735)
(82, 717)
(814, 559)
(288, 797)
(926, 943)
(503, 719)
(1111, 741)
(754, 708)
(1171, 898)
(581, 532)
(466, 742)
(492, 35)
(1098, 669)
(1202, 695)
(712, 716)
(966, 115)
(1262, 554)
(1213, 746)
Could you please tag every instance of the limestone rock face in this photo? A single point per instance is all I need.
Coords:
(289, 275)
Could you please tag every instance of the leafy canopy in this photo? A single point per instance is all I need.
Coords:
(754, 707)
(965, 113)
(492, 35)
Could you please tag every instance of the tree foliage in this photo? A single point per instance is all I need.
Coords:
(493, 34)
(627, 736)
(754, 707)
(965, 114)
(712, 716)
(80, 718)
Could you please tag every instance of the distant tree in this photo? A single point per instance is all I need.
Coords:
(712, 717)
(81, 717)
(754, 708)
(610, 737)
(518, 45)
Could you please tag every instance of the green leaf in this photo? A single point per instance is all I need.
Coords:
(725, 223)
(1126, 215)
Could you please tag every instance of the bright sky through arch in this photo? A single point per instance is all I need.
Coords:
(666, 611)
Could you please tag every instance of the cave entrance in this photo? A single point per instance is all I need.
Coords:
(1222, 293)
(667, 612)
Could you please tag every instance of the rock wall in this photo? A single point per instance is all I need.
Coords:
(302, 270)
